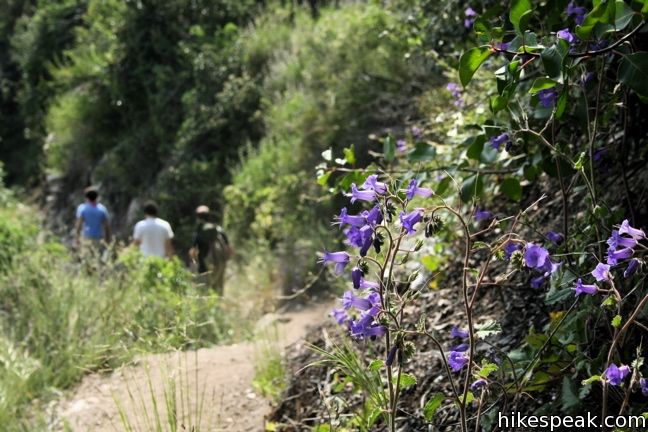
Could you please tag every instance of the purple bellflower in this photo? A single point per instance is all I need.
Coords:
(581, 288)
(374, 216)
(643, 383)
(364, 304)
(340, 259)
(391, 355)
(408, 220)
(555, 238)
(547, 97)
(462, 347)
(635, 233)
(614, 256)
(601, 272)
(356, 277)
(502, 46)
(401, 145)
(536, 282)
(481, 215)
(458, 333)
(549, 267)
(416, 132)
(633, 265)
(346, 219)
(365, 195)
(478, 384)
(368, 285)
(413, 189)
(470, 17)
(339, 315)
(373, 184)
(535, 256)
(577, 11)
(497, 141)
(366, 236)
(566, 35)
(617, 240)
(509, 248)
(615, 375)
(457, 360)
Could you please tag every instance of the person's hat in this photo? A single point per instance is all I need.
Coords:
(202, 209)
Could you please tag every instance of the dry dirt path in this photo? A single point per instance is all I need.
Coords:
(216, 381)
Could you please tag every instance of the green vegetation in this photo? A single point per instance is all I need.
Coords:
(63, 317)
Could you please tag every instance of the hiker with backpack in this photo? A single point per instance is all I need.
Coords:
(211, 250)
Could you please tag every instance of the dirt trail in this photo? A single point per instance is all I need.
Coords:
(216, 381)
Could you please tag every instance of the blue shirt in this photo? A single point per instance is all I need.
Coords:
(93, 219)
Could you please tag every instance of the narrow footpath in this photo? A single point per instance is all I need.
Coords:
(213, 386)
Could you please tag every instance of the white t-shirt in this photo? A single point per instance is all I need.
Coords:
(152, 233)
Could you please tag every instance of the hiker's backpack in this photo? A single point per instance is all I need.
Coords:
(213, 242)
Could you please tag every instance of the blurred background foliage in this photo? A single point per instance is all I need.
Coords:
(228, 103)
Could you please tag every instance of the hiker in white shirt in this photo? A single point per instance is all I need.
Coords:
(152, 234)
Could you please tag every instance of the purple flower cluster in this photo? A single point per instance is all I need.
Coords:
(537, 257)
(621, 246)
(362, 323)
(458, 358)
(457, 94)
(361, 229)
(578, 12)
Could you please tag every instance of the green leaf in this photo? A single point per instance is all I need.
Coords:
(431, 407)
(616, 321)
(542, 83)
(376, 364)
(470, 397)
(443, 185)
(623, 14)
(499, 103)
(519, 14)
(406, 380)
(569, 395)
(473, 186)
(470, 61)
(561, 105)
(488, 328)
(431, 262)
(603, 13)
(475, 149)
(633, 72)
(553, 58)
(324, 178)
(422, 152)
(349, 155)
(487, 368)
(512, 189)
(389, 148)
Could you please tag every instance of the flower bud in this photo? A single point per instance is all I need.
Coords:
(433, 226)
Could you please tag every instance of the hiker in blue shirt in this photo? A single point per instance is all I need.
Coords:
(92, 219)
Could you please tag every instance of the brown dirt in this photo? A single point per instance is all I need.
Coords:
(216, 382)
